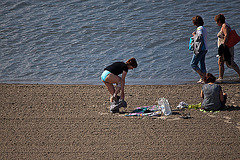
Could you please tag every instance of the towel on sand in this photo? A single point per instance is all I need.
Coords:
(146, 111)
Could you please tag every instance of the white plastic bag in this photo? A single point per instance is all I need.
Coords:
(163, 103)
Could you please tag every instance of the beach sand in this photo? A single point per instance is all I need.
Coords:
(74, 122)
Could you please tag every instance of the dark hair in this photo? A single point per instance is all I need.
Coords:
(220, 18)
(132, 62)
(209, 78)
(197, 21)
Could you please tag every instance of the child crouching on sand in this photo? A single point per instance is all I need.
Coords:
(213, 97)
(110, 76)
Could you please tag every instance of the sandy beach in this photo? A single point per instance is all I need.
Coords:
(74, 122)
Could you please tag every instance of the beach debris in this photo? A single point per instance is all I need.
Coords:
(185, 116)
(182, 105)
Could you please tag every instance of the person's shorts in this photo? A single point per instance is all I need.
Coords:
(104, 75)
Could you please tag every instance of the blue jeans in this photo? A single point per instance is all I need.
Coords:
(200, 58)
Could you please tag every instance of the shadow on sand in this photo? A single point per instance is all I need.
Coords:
(231, 108)
(228, 81)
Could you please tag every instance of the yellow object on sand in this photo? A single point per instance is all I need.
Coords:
(195, 106)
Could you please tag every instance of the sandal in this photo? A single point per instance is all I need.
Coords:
(219, 80)
(200, 81)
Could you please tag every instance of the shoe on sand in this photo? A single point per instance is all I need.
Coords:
(219, 80)
(115, 111)
(200, 81)
(122, 103)
(114, 107)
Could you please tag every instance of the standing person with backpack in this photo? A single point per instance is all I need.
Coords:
(199, 47)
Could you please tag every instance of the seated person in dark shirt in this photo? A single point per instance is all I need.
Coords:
(110, 76)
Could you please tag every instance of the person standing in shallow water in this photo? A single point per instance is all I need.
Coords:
(110, 77)
(199, 52)
(223, 36)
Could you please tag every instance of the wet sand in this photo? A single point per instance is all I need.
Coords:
(74, 122)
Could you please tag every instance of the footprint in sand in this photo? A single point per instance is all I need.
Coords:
(102, 114)
(227, 119)
(174, 119)
(213, 116)
(238, 125)
(163, 117)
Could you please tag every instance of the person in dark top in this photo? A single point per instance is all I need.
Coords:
(213, 97)
(110, 76)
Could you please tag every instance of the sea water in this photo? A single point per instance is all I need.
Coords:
(72, 41)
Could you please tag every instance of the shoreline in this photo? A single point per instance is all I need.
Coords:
(228, 80)
(99, 83)
(73, 121)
